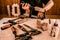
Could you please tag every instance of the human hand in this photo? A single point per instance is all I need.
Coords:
(40, 14)
(25, 6)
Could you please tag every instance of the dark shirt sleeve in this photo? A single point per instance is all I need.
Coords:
(45, 1)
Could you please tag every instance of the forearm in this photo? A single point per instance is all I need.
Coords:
(49, 5)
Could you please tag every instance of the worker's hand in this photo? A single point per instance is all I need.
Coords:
(25, 6)
(40, 14)
(39, 9)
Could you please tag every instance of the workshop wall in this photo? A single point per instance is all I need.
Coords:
(55, 10)
(4, 3)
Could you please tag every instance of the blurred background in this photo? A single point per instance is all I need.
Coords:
(54, 12)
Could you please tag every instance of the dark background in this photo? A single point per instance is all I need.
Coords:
(54, 12)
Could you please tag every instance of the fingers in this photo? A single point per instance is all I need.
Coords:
(25, 6)
(22, 4)
(40, 14)
(28, 4)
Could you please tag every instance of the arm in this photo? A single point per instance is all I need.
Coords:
(48, 5)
